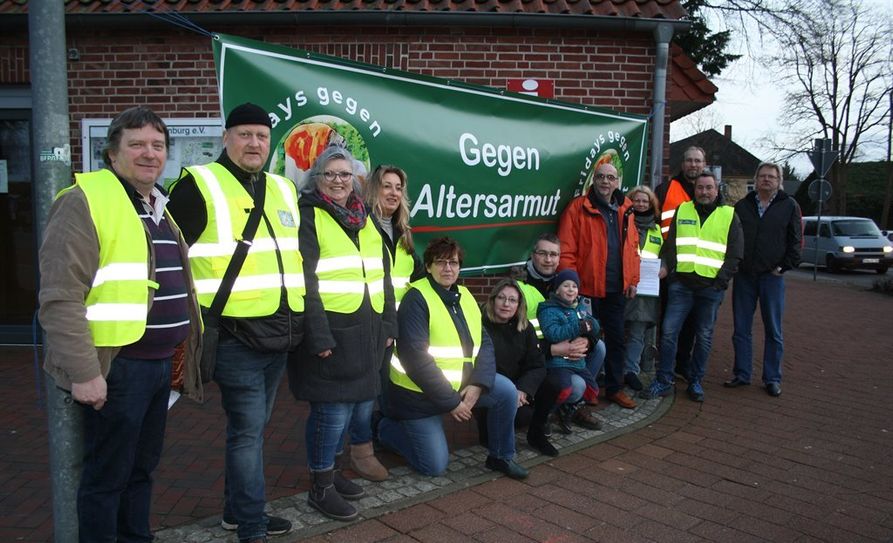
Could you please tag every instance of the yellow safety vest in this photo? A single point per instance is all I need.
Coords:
(257, 291)
(533, 298)
(702, 248)
(345, 272)
(653, 242)
(118, 301)
(444, 344)
(402, 266)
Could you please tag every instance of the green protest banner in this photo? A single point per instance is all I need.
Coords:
(490, 168)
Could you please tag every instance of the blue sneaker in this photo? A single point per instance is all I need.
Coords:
(695, 392)
(656, 390)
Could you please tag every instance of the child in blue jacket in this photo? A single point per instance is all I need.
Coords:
(561, 318)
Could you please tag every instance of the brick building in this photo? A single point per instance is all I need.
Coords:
(121, 53)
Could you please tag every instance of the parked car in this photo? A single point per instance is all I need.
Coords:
(850, 243)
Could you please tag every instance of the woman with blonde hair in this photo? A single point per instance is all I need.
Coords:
(641, 312)
(519, 358)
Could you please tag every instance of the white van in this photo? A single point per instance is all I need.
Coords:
(846, 243)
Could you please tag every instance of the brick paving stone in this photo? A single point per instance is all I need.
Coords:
(413, 518)
(812, 465)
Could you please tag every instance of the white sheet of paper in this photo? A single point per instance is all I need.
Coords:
(173, 399)
(649, 281)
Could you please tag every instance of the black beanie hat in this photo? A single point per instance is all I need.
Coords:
(248, 113)
(569, 274)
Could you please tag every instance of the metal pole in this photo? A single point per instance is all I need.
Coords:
(52, 171)
(662, 36)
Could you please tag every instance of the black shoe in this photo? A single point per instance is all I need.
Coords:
(540, 442)
(509, 467)
(633, 381)
(564, 420)
(735, 382)
(773, 389)
(324, 498)
(275, 525)
(547, 429)
(348, 489)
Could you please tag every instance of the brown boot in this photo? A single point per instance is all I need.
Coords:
(364, 463)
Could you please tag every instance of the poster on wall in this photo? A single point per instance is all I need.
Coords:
(490, 168)
(192, 141)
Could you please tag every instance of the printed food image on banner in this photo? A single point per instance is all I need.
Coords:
(307, 139)
(490, 168)
(608, 157)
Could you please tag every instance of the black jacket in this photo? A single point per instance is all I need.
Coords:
(773, 241)
(437, 396)
(518, 355)
(357, 340)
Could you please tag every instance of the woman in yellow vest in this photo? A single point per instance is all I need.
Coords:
(349, 319)
(444, 364)
(385, 194)
(641, 312)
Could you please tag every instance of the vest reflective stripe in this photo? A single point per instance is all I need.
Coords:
(228, 248)
(118, 301)
(653, 242)
(258, 288)
(675, 197)
(533, 298)
(120, 272)
(444, 344)
(402, 266)
(345, 272)
(254, 282)
(702, 248)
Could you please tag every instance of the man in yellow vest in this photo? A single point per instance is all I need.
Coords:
(700, 256)
(670, 195)
(116, 300)
(263, 317)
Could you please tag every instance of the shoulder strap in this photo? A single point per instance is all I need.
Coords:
(239, 255)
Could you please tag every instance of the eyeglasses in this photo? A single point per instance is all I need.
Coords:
(609, 177)
(506, 299)
(443, 263)
(343, 176)
(544, 254)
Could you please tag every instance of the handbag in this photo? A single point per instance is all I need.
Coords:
(211, 316)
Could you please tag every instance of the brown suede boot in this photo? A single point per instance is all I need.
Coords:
(364, 463)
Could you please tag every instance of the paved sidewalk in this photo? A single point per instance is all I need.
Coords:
(812, 465)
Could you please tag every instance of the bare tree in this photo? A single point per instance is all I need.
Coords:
(837, 68)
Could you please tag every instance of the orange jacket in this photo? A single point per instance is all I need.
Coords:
(676, 196)
(584, 245)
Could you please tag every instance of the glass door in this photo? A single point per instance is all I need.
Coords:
(18, 246)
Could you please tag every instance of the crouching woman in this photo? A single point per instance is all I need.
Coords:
(444, 364)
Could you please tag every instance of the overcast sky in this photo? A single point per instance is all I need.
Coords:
(749, 101)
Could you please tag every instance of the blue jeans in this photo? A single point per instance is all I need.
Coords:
(422, 441)
(248, 382)
(635, 345)
(746, 291)
(702, 304)
(122, 446)
(326, 427)
(609, 312)
(594, 362)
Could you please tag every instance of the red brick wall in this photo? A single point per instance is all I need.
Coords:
(173, 71)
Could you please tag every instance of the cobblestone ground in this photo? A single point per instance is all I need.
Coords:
(812, 465)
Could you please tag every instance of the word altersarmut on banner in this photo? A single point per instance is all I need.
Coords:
(450, 205)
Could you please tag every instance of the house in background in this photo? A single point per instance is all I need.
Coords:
(612, 54)
(734, 164)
